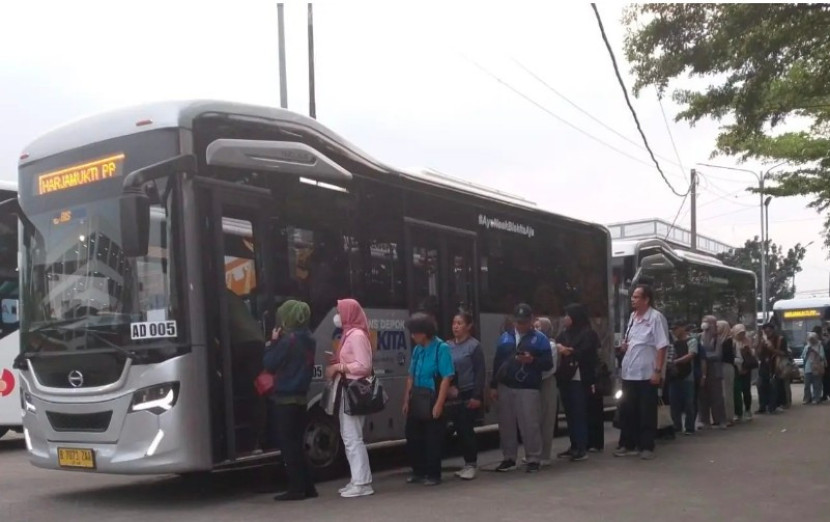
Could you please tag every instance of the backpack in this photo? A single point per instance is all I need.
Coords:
(678, 372)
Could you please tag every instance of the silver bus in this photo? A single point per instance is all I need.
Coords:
(687, 285)
(140, 226)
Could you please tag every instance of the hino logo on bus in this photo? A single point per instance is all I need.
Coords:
(76, 379)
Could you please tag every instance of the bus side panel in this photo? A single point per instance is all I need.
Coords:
(10, 414)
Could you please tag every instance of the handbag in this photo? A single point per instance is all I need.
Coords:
(422, 399)
(818, 366)
(364, 396)
(331, 395)
(664, 419)
(750, 362)
(264, 383)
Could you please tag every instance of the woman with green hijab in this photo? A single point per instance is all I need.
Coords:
(290, 357)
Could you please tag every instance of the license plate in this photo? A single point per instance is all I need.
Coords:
(76, 458)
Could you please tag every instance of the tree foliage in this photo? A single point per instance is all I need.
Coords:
(780, 271)
(765, 65)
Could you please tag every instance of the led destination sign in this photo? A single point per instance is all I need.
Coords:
(79, 175)
(801, 314)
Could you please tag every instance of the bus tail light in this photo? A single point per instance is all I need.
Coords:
(156, 399)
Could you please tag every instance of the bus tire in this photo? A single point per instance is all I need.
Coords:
(323, 446)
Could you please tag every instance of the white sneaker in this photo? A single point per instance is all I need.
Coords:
(357, 491)
(345, 488)
(468, 472)
(748, 416)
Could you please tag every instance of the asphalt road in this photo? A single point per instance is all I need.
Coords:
(774, 468)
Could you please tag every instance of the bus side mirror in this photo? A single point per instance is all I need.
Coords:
(135, 222)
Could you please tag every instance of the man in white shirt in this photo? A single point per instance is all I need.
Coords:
(644, 348)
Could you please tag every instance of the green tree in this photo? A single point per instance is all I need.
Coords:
(781, 268)
(765, 65)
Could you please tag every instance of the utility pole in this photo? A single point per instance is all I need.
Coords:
(312, 102)
(693, 190)
(763, 249)
(283, 80)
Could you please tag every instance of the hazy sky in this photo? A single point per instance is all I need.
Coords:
(406, 82)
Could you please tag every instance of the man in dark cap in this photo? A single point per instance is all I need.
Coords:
(522, 355)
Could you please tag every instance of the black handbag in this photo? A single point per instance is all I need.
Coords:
(364, 396)
(422, 399)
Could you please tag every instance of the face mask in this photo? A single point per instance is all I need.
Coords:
(338, 323)
(704, 326)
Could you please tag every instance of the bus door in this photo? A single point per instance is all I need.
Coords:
(239, 299)
(443, 271)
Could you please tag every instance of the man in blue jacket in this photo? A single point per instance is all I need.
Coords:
(521, 357)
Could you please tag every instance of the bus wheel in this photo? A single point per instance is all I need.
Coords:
(323, 445)
(3, 431)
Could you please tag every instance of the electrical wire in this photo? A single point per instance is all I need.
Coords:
(674, 222)
(671, 136)
(628, 102)
(586, 113)
(553, 114)
(726, 214)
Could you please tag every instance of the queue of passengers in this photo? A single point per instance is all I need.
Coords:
(706, 376)
(446, 382)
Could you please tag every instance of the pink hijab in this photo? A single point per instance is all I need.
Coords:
(352, 317)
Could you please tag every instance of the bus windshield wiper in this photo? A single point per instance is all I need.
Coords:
(62, 326)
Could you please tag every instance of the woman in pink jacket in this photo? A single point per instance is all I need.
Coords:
(353, 361)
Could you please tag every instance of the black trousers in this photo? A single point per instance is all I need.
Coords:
(745, 388)
(424, 446)
(596, 419)
(290, 423)
(576, 411)
(638, 416)
(464, 422)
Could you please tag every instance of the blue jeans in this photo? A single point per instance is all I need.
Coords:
(576, 413)
(682, 401)
(813, 389)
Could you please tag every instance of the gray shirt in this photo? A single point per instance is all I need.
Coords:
(468, 359)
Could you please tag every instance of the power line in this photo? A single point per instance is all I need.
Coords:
(554, 115)
(628, 102)
(671, 136)
(682, 204)
(723, 195)
(726, 214)
(586, 113)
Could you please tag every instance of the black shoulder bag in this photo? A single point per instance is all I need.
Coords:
(422, 399)
(365, 396)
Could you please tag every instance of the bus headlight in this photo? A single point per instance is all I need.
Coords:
(156, 399)
(28, 404)
(618, 395)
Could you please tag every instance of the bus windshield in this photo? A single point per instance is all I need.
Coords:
(795, 331)
(82, 291)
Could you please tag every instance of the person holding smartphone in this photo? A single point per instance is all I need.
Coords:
(522, 356)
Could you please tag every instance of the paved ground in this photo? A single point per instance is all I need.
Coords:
(775, 468)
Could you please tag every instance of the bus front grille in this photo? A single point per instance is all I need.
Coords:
(86, 422)
(78, 370)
